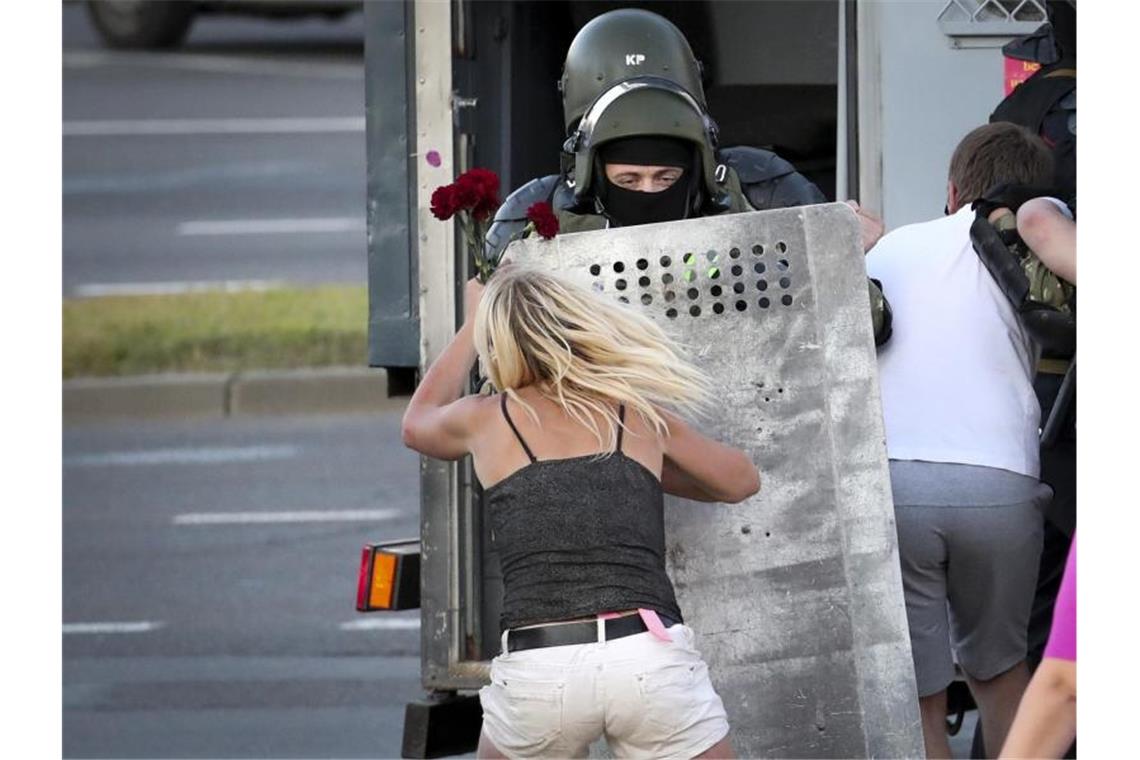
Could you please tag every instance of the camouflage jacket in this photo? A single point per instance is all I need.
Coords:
(1044, 302)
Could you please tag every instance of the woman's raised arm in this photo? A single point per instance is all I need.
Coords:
(697, 467)
(440, 418)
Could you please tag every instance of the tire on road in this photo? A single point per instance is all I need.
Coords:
(130, 24)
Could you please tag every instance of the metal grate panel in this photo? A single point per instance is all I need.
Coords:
(989, 18)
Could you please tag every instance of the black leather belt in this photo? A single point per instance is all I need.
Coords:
(586, 632)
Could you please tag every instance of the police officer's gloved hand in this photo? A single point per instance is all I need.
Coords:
(1007, 195)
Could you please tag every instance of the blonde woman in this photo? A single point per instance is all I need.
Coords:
(574, 454)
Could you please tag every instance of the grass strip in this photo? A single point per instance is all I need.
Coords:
(215, 332)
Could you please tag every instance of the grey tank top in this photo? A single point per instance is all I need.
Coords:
(579, 536)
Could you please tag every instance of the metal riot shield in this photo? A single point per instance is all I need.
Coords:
(796, 594)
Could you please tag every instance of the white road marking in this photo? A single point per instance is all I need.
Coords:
(101, 289)
(215, 63)
(213, 455)
(172, 127)
(211, 175)
(382, 624)
(308, 516)
(272, 226)
(142, 626)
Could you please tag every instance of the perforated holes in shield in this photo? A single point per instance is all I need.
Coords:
(783, 269)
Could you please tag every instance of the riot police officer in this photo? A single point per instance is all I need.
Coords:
(641, 146)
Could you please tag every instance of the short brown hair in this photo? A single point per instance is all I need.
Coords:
(997, 153)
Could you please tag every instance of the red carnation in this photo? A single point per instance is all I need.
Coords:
(485, 208)
(464, 195)
(443, 205)
(478, 191)
(472, 199)
(484, 179)
(541, 214)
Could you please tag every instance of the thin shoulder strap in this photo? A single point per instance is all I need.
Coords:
(621, 419)
(507, 415)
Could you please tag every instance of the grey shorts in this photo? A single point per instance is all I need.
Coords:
(969, 542)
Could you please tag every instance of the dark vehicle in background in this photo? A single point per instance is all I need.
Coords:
(158, 24)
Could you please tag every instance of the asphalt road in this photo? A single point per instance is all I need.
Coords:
(209, 584)
(240, 157)
(209, 577)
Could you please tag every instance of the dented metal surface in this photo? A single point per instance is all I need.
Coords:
(795, 594)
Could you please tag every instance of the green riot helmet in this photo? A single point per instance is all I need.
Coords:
(640, 107)
(621, 45)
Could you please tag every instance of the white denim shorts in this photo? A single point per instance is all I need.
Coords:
(647, 697)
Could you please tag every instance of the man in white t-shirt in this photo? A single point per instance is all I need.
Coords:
(962, 436)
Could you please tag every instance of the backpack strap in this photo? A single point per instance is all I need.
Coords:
(1045, 304)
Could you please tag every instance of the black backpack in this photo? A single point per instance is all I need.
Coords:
(1046, 103)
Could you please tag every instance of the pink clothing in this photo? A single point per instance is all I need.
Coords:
(652, 622)
(1063, 636)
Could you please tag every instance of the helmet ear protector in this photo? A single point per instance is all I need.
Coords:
(620, 112)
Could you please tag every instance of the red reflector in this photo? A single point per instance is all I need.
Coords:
(364, 582)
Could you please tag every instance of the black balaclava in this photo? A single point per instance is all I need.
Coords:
(627, 208)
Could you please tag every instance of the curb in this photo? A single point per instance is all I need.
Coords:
(329, 390)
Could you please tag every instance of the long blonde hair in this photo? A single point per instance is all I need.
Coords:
(582, 351)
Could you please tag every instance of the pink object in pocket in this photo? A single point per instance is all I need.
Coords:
(650, 618)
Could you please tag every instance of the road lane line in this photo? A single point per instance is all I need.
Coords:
(382, 624)
(304, 516)
(240, 126)
(233, 175)
(272, 226)
(142, 626)
(103, 289)
(212, 455)
(216, 63)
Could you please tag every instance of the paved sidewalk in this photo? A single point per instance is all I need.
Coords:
(326, 390)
